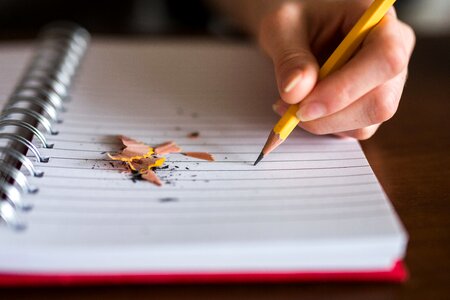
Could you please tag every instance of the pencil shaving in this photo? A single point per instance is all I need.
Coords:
(167, 148)
(199, 155)
(151, 176)
(145, 164)
(133, 150)
(141, 160)
(127, 156)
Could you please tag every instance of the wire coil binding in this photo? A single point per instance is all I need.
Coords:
(33, 108)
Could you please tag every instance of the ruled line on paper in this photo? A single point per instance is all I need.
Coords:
(229, 134)
(207, 189)
(211, 179)
(202, 209)
(228, 152)
(201, 142)
(139, 220)
(214, 170)
(178, 122)
(202, 198)
(215, 161)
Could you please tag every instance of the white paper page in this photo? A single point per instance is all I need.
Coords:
(13, 59)
(313, 203)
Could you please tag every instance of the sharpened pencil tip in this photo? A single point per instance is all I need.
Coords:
(260, 157)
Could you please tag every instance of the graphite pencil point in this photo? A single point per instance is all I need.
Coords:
(260, 157)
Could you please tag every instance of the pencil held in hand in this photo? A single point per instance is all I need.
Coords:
(340, 56)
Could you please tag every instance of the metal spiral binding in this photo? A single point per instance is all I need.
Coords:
(34, 105)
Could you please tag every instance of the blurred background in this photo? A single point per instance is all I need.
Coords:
(22, 18)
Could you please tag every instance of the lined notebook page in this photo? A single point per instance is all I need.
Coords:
(313, 203)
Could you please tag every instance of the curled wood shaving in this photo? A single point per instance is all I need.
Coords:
(142, 159)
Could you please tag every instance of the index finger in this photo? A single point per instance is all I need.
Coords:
(383, 55)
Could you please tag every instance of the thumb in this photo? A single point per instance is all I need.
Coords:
(284, 38)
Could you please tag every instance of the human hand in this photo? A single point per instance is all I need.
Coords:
(354, 100)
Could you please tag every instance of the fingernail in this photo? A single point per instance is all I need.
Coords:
(293, 80)
(275, 107)
(311, 111)
(279, 107)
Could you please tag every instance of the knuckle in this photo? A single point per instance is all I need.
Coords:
(287, 11)
(395, 58)
(382, 107)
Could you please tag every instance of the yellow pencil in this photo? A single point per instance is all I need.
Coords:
(343, 52)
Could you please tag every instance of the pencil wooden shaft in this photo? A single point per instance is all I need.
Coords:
(343, 52)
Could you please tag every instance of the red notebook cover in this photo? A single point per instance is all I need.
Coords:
(396, 274)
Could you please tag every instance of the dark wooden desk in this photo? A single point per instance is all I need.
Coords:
(411, 157)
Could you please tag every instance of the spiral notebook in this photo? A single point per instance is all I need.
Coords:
(313, 210)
